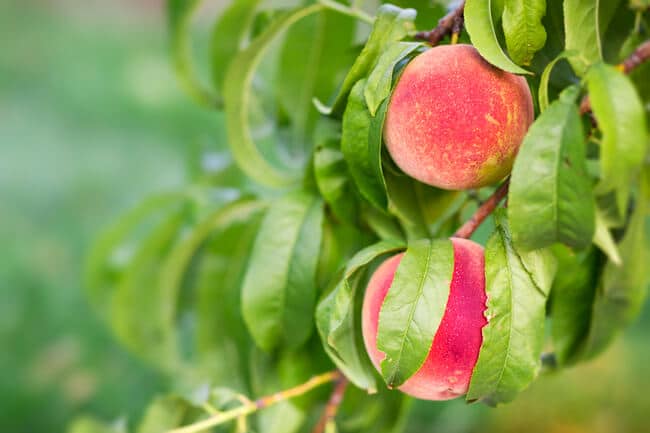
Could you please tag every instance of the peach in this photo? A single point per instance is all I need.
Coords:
(447, 370)
(456, 122)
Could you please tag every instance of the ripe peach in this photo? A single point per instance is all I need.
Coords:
(456, 122)
(447, 370)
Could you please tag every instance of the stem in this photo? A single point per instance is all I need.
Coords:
(264, 402)
(332, 406)
(450, 24)
(353, 12)
(483, 211)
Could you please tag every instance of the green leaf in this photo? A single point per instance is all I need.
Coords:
(550, 197)
(582, 33)
(238, 97)
(137, 304)
(338, 317)
(361, 144)
(85, 424)
(279, 289)
(222, 340)
(413, 308)
(623, 289)
(104, 267)
(313, 58)
(180, 14)
(546, 75)
(165, 413)
(523, 29)
(572, 295)
(228, 33)
(175, 266)
(420, 208)
(480, 26)
(391, 25)
(621, 118)
(380, 80)
(332, 174)
(604, 239)
(517, 285)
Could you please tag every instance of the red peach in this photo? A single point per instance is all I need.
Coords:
(456, 122)
(448, 368)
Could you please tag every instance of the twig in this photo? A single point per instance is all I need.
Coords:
(634, 60)
(467, 229)
(332, 406)
(252, 406)
(450, 24)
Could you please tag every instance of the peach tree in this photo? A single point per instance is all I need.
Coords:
(400, 211)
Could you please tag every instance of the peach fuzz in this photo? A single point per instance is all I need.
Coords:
(448, 368)
(456, 122)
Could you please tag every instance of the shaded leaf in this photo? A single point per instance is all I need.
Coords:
(582, 33)
(338, 317)
(228, 34)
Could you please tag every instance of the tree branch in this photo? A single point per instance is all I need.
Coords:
(332, 407)
(450, 24)
(261, 403)
(634, 60)
(467, 229)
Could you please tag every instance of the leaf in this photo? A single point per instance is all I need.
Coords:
(312, 59)
(572, 295)
(164, 413)
(509, 358)
(392, 24)
(137, 303)
(524, 32)
(413, 308)
(85, 424)
(623, 289)
(338, 317)
(103, 268)
(180, 13)
(421, 209)
(176, 265)
(228, 33)
(380, 80)
(332, 174)
(279, 289)
(238, 97)
(480, 26)
(621, 118)
(361, 146)
(546, 75)
(582, 33)
(550, 197)
(604, 239)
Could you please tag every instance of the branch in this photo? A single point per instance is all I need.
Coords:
(332, 406)
(450, 24)
(264, 402)
(467, 229)
(636, 59)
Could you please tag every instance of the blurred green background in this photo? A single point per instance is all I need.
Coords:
(91, 121)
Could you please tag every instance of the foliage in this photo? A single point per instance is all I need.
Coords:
(293, 252)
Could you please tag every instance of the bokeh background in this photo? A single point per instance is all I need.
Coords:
(91, 121)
